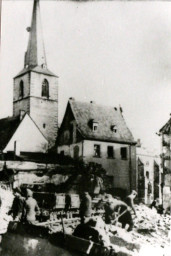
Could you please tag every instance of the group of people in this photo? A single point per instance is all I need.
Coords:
(115, 209)
(95, 228)
(24, 206)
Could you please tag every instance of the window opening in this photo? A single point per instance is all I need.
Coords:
(110, 152)
(21, 93)
(147, 174)
(97, 150)
(124, 153)
(95, 127)
(114, 128)
(45, 88)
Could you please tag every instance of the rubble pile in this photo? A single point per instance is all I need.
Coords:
(149, 219)
(151, 233)
(152, 230)
(151, 225)
(7, 200)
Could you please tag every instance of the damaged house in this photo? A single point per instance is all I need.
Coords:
(149, 175)
(95, 133)
(165, 134)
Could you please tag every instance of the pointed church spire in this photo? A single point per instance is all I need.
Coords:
(35, 55)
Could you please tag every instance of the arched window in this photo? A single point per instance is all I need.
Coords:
(21, 92)
(45, 88)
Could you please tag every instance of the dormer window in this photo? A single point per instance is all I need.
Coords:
(94, 125)
(44, 66)
(114, 128)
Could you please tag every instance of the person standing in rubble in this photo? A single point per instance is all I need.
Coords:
(130, 200)
(30, 207)
(97, 185)
(18, 205)
(85, 207)
(117, 211)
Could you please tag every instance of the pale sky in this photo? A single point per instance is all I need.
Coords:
(111, 52)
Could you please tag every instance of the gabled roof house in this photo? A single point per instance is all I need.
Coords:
(21, 135)
(96, 133)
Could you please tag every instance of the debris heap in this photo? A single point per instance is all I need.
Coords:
(151, 233)
(7, 200)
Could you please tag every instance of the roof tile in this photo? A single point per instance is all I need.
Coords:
(106, 117)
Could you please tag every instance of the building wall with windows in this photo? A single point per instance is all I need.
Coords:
(99, 134)
(117, 164)
(115, 158)
(25, 79)
(44, 109)
(37, 94)
(165, 136)
(149, 175)
(21, 102)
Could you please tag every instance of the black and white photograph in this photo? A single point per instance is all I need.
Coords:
(85, 128)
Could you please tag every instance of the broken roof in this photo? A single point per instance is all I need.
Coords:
(166, 128)
(8, 127)
(106, 117)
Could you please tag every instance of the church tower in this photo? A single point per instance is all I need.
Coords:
(35, 87)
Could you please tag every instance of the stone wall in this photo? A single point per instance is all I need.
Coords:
(45, 114)
(21, 103)
(43, 110)
(36, 85)
(26, 80)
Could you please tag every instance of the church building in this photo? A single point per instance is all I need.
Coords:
(35, 99)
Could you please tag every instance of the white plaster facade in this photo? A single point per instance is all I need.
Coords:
(115, 167)
(27, 138)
